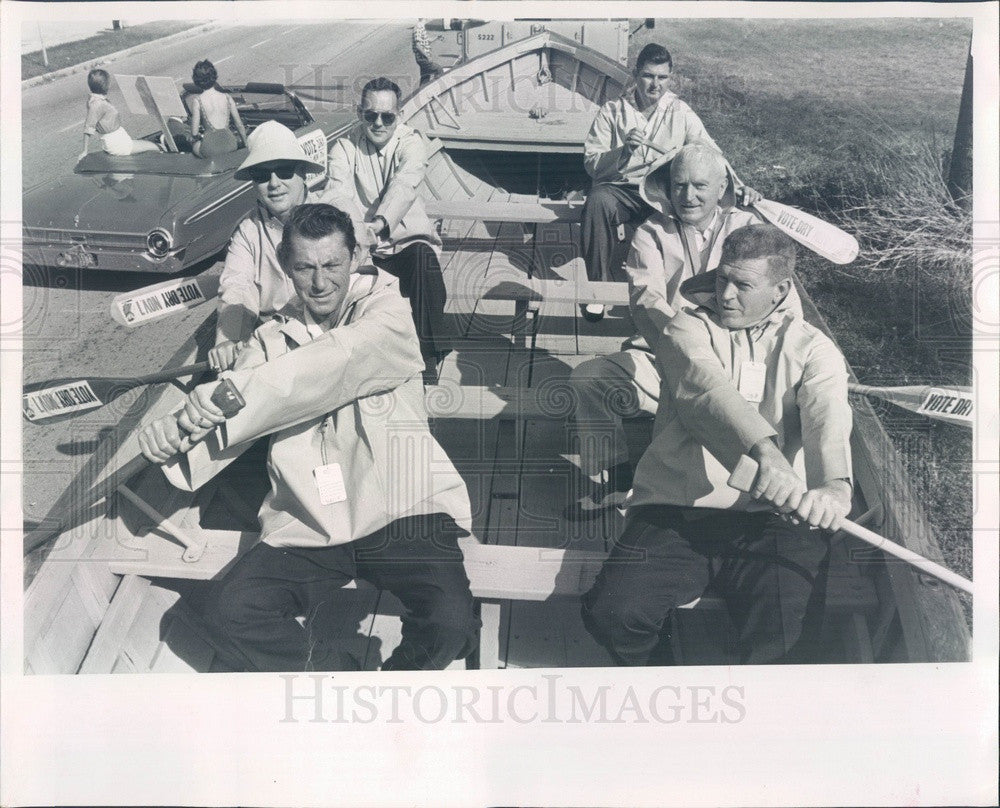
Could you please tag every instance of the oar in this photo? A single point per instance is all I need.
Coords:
(744, 475)
(56, 399)
(162, 299)
(226, 397)
(821, 237)
(952, 404)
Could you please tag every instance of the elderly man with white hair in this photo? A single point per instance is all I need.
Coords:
(694, 212)
(253, 286)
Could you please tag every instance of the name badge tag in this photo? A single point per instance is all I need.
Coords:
(330, 483)
(752, 378)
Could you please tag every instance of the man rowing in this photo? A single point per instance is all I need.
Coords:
(252, 285)
(379, 164)
(743, 373)
(632, 135)
(693, 212)
(341, 506)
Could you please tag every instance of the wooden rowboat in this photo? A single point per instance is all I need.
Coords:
(115, 592)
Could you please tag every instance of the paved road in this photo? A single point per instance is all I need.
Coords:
(67, 329)
(332, 54)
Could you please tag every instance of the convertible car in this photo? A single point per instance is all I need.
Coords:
(160, 211)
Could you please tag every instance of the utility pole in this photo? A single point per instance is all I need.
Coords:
(960, 168)
(45, 56)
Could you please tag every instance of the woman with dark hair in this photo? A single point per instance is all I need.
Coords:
(213, 110)
(103, 119)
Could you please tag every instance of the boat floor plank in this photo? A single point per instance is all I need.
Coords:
(546, 634)
(144, 638)
(125, 606)
(605, 336)
(557, 257)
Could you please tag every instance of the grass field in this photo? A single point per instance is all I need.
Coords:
(854, 120)
(102, 44)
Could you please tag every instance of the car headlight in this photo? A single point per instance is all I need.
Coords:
(158, 243)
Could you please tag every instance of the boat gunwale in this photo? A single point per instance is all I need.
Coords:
(903, 586)
(506, 53)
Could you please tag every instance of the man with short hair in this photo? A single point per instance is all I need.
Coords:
(334, 380)
(632, 135)
(743, 373)
(693, 212)
(380, 163)
(252, 284)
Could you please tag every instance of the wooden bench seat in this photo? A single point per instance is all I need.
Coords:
(496, 574)
(540, 212)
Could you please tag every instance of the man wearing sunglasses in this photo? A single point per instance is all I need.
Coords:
(380, 164)
(253, 285)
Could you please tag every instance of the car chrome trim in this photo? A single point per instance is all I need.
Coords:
(218, 203)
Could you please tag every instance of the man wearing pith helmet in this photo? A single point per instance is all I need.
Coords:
(252, 285)
(380, 164)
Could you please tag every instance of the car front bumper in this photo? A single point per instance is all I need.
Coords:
(86, 255)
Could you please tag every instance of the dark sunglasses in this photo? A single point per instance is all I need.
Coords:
(370, 116)
(283, 172)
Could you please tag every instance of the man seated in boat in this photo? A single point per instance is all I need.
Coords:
(631, 136)
(252, 285)
(743, 373)
(380, 163)
(341, 505)
(692, 201)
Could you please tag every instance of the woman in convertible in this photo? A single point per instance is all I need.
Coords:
(103, 119)
(213, 110)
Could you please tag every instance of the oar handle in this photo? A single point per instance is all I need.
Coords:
(744, 475)
(225, 396)
(168, 374)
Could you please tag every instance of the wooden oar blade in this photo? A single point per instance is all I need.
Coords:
(821, 237)
(162, 299)
(951, 404)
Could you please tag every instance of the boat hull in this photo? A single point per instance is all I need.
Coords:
(114, 592)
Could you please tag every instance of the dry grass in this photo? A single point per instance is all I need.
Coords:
(899, 208)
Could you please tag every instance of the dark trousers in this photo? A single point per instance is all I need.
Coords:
(253, 610)
(772, 574)
(429, 69)
(607, 207)
(420, 280)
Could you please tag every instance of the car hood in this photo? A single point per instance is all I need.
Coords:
(123, 203)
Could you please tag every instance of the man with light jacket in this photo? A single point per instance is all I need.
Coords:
(334, 379)
(743, 373)
(693, 204)
(380, 164)
(631, 136)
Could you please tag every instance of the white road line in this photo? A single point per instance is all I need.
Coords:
(287, 32)
(224, 59)
(262, 42)
(77, 125)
